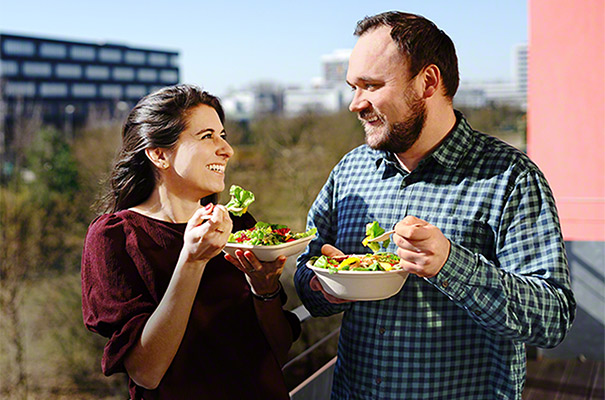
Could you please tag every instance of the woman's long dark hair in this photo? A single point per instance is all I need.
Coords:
(156, 121)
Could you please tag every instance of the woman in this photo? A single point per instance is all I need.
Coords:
(181, 320)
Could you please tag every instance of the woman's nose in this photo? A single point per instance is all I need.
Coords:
(225, 150)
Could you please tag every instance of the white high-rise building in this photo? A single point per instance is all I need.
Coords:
(520, 66)
(511, 92)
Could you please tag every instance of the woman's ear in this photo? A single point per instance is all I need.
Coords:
(158, 157)
(431, 80)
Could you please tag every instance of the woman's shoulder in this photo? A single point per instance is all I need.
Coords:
(110, 222)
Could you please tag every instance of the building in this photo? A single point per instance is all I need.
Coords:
(511, 92)
(335, 67)
(566, 138)
(327, 94)
(62, 81)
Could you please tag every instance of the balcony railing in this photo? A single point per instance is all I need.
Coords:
(546, 378)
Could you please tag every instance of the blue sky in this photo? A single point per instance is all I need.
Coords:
(230, 44)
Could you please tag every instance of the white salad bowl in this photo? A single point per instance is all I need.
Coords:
(360, 285)
(270, 253)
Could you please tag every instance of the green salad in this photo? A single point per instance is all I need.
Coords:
(366, 262)
(373, 230)
(264, 234)
(240, 200)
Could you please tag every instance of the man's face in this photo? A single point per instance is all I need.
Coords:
(391, 111)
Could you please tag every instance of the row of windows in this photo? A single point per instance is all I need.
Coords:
(36, 69)
(79, 90)
(78, 52)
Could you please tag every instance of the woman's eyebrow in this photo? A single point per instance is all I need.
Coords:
(204, 130)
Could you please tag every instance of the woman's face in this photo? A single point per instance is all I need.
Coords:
(198, 161)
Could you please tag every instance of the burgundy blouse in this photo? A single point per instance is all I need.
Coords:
(127, 263)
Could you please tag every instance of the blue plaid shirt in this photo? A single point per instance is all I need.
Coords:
(462, 333)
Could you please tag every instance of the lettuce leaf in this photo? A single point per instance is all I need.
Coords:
(374, 230)
(240, 200)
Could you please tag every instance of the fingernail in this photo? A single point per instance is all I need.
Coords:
(208, 206)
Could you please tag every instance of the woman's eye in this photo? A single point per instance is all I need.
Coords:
(207, 136)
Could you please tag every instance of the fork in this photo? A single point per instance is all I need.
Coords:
(382, 237)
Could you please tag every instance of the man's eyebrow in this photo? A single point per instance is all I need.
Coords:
(362, 79)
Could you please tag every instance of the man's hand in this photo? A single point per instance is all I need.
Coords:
(423, 248)
(328, 251)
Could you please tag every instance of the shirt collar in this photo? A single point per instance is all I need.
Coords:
(456, 144)
(449, 153)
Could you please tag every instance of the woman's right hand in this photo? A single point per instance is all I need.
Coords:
(206, 233)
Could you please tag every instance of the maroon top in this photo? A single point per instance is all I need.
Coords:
(127, 263)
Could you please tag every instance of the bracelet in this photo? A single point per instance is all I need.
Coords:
(269, 296)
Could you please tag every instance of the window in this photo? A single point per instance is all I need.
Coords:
(110, 55)
(135, 57)
(53, 50)
(158, 59)
(68, 71)
(83, 90)
(147, 75)
(17, 89)
(168, 76)
(18, 47)
(97, 72)
(36, 69)
(174, 61)
(52, 89)
(135, 91)
(123, 74)
(84, 53)
(111, 91)
(9, 68)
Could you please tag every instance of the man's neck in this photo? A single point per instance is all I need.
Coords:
(436, 127)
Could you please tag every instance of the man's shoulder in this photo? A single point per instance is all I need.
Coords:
(361, 155)
(494, 149)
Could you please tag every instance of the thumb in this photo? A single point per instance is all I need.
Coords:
(411, 220)
(412, 228)
(330, 251)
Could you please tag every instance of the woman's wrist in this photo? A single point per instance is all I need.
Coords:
(267, 296)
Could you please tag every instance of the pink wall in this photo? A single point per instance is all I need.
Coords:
(566, 109)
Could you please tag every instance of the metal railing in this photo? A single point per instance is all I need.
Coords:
(319, 384)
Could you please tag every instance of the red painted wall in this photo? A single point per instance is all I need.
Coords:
(566, 109)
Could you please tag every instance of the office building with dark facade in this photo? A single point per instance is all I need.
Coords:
(61, 81)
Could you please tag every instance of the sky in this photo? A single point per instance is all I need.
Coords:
(227, 45)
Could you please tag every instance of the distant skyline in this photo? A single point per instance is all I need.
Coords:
(232, 44)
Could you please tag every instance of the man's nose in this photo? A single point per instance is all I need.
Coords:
(358, 103)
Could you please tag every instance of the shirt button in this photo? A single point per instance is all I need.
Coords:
(382, 331)
(477, 312)
(378, 381)
(445, 284)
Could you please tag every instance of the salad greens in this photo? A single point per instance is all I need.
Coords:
(240, 200)
(374, 230)
(367, 262)
(264, 234)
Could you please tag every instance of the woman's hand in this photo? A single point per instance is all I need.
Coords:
(263, 277)
(206, 233)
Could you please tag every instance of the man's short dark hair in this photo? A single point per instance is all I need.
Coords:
(421, 42)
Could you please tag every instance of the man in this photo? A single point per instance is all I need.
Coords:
(476, 227)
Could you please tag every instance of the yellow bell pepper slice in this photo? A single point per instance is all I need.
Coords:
(348, 261)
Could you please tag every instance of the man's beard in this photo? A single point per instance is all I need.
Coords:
(398, 137)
